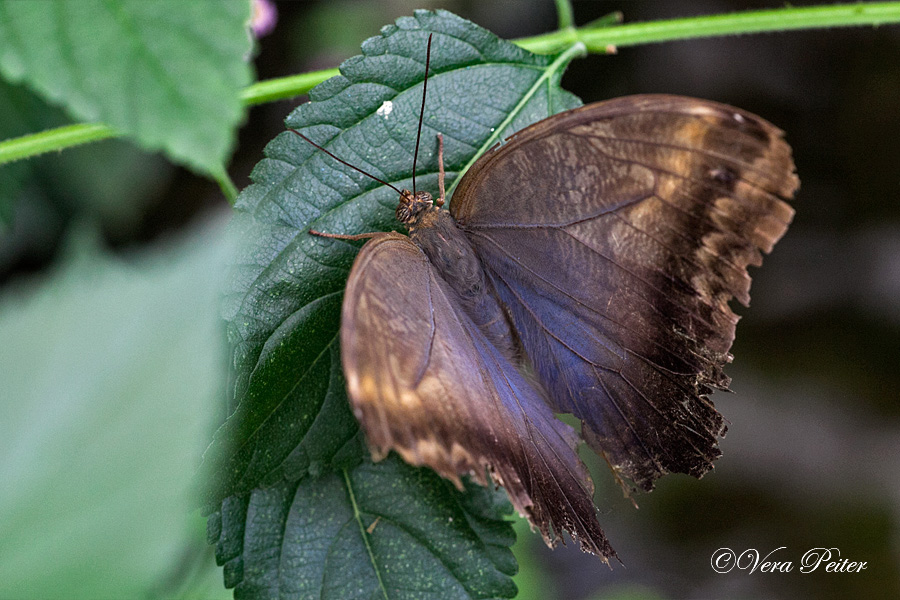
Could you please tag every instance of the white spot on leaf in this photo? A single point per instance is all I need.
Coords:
(386, 107)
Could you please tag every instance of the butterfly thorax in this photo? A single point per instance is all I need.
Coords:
(449, 251)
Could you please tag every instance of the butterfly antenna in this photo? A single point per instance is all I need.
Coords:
(343, 162)
(422, 111)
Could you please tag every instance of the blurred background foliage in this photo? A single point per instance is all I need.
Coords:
(112, 366)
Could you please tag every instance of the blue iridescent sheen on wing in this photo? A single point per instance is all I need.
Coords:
(616, 235)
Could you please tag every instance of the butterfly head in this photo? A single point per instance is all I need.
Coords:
(412, 206)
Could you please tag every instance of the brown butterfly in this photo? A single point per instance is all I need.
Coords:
(585, 266)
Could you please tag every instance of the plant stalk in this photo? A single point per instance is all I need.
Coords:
(596, 37)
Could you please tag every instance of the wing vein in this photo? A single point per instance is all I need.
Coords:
(602, 315)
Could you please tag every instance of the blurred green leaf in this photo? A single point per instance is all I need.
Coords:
(291, 420)
(166, 73)
(109, 372)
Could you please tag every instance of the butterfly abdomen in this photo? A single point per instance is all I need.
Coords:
(451, 254)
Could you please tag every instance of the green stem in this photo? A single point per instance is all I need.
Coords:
(607, 20)
(229, 190)
(69, 136)
(53, 139)
(285, 87)
(597, 37)
(564, 14)
(777, 19)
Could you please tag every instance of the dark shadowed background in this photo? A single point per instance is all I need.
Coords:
(812, 457)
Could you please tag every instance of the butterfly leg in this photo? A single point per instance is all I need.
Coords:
(440, 201)
(341, 236)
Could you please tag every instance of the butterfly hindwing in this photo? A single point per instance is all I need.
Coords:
(425, 382)
(616, 234)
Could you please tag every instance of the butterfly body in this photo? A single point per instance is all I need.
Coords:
(451, 254)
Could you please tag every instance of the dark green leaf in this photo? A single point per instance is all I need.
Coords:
(167, 73)
(289, 414)
(283, 306)
(376, 531)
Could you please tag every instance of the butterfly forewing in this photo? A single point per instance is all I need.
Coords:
(424, 381)
(616, 234)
